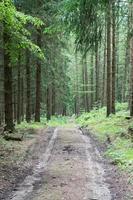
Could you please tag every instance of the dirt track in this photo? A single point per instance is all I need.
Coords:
(70, 168)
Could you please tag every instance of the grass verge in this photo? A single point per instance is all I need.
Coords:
(114, 127)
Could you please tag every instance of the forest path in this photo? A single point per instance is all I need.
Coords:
(70, 168)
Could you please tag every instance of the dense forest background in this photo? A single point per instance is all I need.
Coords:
(62, 57)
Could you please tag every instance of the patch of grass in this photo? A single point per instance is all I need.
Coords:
(54, 122)
(58, 121)
(32, 125)
(121, 150)
(103, 126)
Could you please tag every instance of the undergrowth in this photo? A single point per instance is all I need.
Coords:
(54, 122)
(58, 121)
(114, 127)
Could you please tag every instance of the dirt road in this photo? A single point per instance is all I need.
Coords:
(70, 168)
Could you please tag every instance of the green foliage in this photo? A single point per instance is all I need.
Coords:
(14, 24)
(85, 19)
(32, 125)
(58, 121)
(116, 128)
(121, 151)
(97, 120)
(54, 122)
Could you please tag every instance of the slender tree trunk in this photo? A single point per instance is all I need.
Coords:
(86, 85)
(8, 95)
(118, 86)
(14, 101)
(131, 82)
(109, 67)
(48, 104)
(83, 82)
(97, 72)
(113, 55)
(22, 98)
(131, 55)
(38, 82)
(28, 89)
(8, 86)
(125, 87)
(53, 99)
(19, 92)
(76, 86)
(104, 71)
(92, 81)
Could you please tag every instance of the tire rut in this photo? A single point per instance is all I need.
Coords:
(26, 188)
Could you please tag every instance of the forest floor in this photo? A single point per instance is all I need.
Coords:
(60, 164)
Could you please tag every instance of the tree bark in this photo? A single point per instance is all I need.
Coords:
(104, 71)
(28, 89)
(97, 72)
(53, 99)
(8, 85)
(86, 86)
(92, 81)
(48, 104)
(19, 92)
(125, 85)
(113, 55)
(131, 55)
(131, 83)
(22, 98)
(109, 67)
(38, 82)
(76, 86)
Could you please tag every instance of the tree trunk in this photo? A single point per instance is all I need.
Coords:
(8, 86)
(131, 55)
(109, 67)
(103, 97)
(118, 84)
(22, 98)
(92, 81)
(131, 83)
(48, 104)
(28, 89)
(53, 99)
(76, 86)
(97, 72)
(38, 82)
(83, 83)
(19, 92)
(125, 87)
(86, 86)
(14, 101)
(113, 55)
